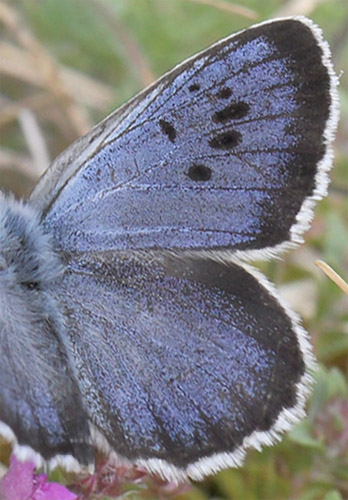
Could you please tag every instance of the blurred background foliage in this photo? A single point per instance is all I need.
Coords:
(64, 64)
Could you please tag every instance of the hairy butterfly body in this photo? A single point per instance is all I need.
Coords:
(128, 320)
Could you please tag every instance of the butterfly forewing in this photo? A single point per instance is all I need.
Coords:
(222, 152)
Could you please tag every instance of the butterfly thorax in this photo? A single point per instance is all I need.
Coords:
(29, 268)
(26, 251)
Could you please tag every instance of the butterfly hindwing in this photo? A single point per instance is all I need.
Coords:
(181, 359)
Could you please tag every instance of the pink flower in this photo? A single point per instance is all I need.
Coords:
(116, 481)
(20, 483)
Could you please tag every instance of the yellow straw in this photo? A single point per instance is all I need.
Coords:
(332, 275)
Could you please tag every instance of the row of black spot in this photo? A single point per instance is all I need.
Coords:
(224, 140)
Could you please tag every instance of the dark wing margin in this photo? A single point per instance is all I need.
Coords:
(229, 150)
(185, 363)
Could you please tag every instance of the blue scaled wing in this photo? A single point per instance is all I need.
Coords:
(228, 150)
(182, 363)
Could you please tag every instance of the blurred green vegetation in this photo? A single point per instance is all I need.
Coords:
(116, 47)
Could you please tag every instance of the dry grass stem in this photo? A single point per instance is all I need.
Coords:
(336, 278)
(229, 7)
(47, 68)
(35, 141)
(83, 89)
(296, 7)
(134, 54)
(9, 112)
(19, 162)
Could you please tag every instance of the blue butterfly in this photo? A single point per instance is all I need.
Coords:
(129, 321)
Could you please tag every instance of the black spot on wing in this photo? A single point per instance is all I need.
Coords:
(198, 172)
(194, 87)
(224, 93)
(168, 129)
(31, 285)
(231, 112)
(225, 140)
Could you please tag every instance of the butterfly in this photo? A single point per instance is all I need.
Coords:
(130, 321)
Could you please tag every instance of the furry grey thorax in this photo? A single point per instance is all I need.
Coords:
(29, 271)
